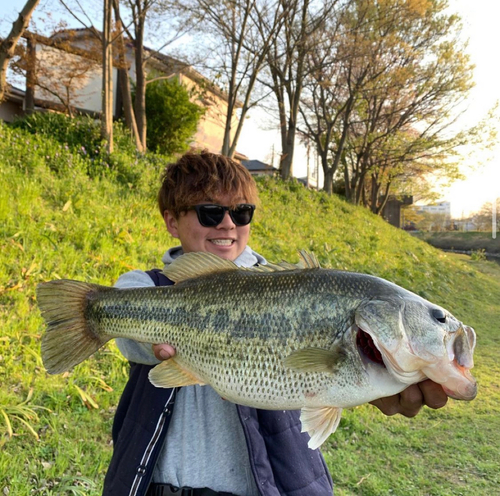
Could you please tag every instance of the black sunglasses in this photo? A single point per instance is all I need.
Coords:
(211, 215)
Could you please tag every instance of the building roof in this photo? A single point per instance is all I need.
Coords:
(258, 166)
(14, 94)
(165, 63)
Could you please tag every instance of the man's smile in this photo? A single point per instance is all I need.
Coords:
(222, 242)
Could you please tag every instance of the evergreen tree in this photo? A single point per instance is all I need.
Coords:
(172, 116)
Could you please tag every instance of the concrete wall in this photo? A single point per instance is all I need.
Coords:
(10, 110)
(210, 132)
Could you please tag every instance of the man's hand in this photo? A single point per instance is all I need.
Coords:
(163, 351)
(410, 401)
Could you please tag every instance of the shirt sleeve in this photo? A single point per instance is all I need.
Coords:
(133, 350)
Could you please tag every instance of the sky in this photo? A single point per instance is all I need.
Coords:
(482, 183)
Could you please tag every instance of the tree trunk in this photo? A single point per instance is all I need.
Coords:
(293, 93)
(124, 83)
(375, 188)
(328, 185)
(8, 45)
(226, 140)
(328, 172)
(385, 198)
(140, 79)
(288, 147)
(107, 79)
(29, 101)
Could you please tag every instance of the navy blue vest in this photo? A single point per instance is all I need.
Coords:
(281, 461)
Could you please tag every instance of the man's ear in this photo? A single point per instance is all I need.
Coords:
(171, 223)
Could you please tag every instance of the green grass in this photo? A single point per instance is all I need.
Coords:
(56, 221)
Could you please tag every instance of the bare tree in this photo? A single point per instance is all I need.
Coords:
(133, 25)
(140, 13)
(488, 217)
(337, 70)
(8, 45)
(286, 63)
(242, 32)
(329, 95)
(398, 75)
(403, 116)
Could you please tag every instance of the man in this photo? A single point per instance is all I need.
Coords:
(168, 441)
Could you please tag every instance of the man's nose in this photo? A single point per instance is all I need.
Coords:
(227, 222)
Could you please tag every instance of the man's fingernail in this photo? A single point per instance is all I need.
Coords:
(164, 355)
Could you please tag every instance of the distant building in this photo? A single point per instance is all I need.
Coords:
(76, 51)
(437, 217)
(258, 168)
(465, 225)
(13, 104)
(443, 208)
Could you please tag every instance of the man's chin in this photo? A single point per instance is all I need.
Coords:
(228, 252)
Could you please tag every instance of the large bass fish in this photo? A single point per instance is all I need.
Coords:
(278, 337)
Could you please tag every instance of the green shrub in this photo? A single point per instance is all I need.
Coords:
(82, 134)
(33, 152)
(478, 254)
(171, 116)
(64, 144)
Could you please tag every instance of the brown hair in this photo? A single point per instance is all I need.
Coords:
(198, 177)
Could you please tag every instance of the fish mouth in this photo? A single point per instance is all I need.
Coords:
(367, 349)
(459, 383)
(453, 372)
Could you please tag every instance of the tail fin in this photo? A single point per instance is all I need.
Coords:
(69, 338)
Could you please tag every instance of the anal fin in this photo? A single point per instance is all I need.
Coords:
(169, 374)
(319, 423)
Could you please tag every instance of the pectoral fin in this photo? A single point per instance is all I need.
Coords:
(313, 359)
(319, 423)
(169, 374)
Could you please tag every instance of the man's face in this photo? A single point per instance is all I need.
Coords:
(226, 240)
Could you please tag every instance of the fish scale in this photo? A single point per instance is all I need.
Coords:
(273, 337)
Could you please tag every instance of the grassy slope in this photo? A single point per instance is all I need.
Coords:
(69, 226)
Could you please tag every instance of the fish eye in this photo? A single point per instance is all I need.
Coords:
(439, 315)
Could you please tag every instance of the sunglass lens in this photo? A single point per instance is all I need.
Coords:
(210, 215)
(242, 214)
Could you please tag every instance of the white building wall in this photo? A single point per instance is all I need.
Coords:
(440, 208)
(75, 79)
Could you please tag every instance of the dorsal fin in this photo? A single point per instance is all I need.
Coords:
(269, 267)
(308, 260)
(196, 264)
